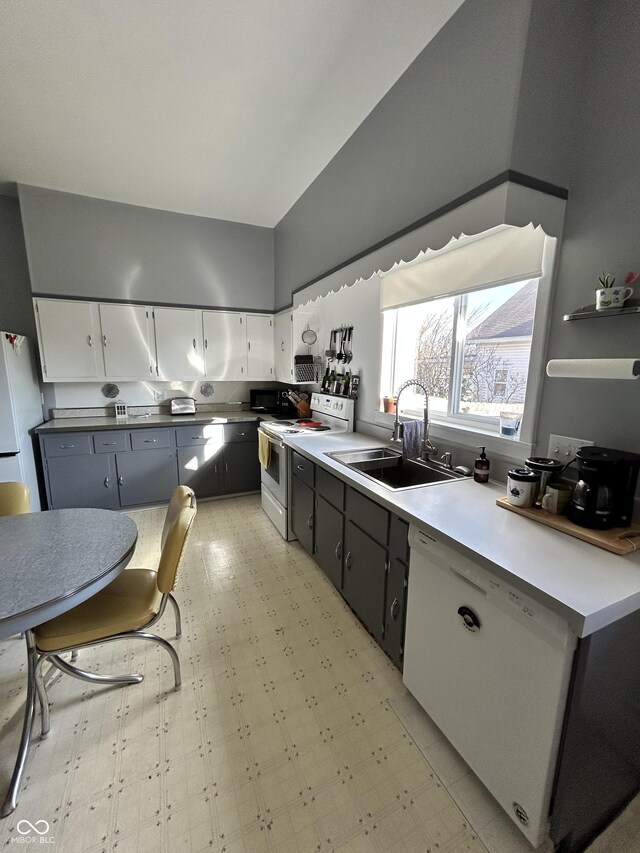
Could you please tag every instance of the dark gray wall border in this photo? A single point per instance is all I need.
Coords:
(504, 177)
(151, 304)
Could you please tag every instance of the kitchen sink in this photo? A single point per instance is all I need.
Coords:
(388, 468)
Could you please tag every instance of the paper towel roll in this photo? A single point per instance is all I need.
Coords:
(594, 368)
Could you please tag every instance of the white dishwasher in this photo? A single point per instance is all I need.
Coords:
(491, 667)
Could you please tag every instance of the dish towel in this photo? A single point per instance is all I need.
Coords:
(411, 439)
(264, 449)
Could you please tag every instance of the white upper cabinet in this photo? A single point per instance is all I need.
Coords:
(69, 340)
(225, 345)
(128, 345)
(259, 346)
(282, 342)
(179, 346)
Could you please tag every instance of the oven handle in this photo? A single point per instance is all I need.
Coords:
(273, 440)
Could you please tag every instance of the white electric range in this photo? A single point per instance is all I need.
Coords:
(332, 413)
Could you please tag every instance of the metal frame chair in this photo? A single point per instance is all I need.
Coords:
(178, 523)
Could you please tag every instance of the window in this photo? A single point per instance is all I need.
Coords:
(471, 351)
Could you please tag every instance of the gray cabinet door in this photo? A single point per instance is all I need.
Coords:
(394, 610)
(82, 481)
(241, 467)
(146, 476)
(201, 467)
(328, 535)
(302, 513)
(364, 577)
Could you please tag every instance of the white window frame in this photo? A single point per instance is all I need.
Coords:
(467, 430)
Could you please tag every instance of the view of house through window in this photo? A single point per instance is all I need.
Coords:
(470, 351)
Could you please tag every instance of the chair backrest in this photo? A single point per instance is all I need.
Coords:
(178, 522)
(14, 498)
(182, 496)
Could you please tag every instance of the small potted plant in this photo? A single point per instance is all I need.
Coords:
(608, 295)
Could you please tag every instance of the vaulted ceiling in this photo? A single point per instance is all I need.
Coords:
(220, 108)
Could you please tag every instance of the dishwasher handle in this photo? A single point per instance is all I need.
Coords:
(469, 619)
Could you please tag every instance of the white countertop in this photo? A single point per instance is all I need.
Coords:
(588, 586)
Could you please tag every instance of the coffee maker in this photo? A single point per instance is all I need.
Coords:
(603, 496)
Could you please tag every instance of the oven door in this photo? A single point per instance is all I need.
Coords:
(274, 477)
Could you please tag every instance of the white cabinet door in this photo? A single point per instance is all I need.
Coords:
(283, 351)
(69, 339)
(259, 346)
(225, 345)
(127, 341)
(179, 347)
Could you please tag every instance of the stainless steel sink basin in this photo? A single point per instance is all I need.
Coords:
(388, 468)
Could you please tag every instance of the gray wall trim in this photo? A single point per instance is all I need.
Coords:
(154, 304)
(508, 176)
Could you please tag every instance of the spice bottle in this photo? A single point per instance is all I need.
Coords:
(481, 467)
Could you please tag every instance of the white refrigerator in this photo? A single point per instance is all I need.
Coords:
(20, 411)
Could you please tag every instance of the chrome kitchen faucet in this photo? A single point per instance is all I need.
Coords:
(398, 427)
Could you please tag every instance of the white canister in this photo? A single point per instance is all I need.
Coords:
(522, 486)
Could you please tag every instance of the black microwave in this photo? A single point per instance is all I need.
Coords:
(269, 401)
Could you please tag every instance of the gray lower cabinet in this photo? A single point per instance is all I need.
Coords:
(82, 481)
(329, 523)
(361, 547)
(365, 571)
(201, 468)
(125, 468)
(302, 515)
(146, 476)
(241, 467)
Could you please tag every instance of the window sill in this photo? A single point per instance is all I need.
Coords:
(495, 444)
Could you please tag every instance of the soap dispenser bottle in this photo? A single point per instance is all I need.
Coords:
(481, 467)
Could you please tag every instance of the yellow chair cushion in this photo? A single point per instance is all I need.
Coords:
(128, 603)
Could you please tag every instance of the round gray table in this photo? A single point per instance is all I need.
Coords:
(49, 563)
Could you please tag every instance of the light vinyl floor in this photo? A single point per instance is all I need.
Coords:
(290, 733)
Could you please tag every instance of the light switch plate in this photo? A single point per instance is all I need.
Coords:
(563, 448)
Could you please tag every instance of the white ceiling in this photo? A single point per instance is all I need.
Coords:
(221, 108)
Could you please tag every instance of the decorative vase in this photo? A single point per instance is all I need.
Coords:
(612, 297)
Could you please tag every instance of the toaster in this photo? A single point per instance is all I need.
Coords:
(183, 406)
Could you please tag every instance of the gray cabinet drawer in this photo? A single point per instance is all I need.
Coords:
(110, 442)
(199, 434)
(241, 432)
(399, 539)
(149, 439)
(303, 469)
(369, 516)
(331, 488)
(67, 444)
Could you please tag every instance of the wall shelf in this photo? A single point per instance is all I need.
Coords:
(589, 312)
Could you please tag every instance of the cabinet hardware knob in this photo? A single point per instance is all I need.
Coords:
(206, 343)
(120, 481)
(347, 560)
(109, 443)
(150, 440)
(107, 482)
(338, 551)
(249, 345)
(395, 609)
(197, 436)
(242, 433)
(194, 343)
(66, 446)
(300, 467)
(226, 467)
(310, 522)
(104, 340)
(90, 340)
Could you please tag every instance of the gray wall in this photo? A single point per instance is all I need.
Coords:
(87, 247)
(602, 231)
(444, 128)
(16, 311)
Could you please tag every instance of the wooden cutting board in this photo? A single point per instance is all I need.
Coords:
(618, 540)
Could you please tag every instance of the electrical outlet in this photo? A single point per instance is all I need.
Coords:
(563, 448)
(157, 396)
